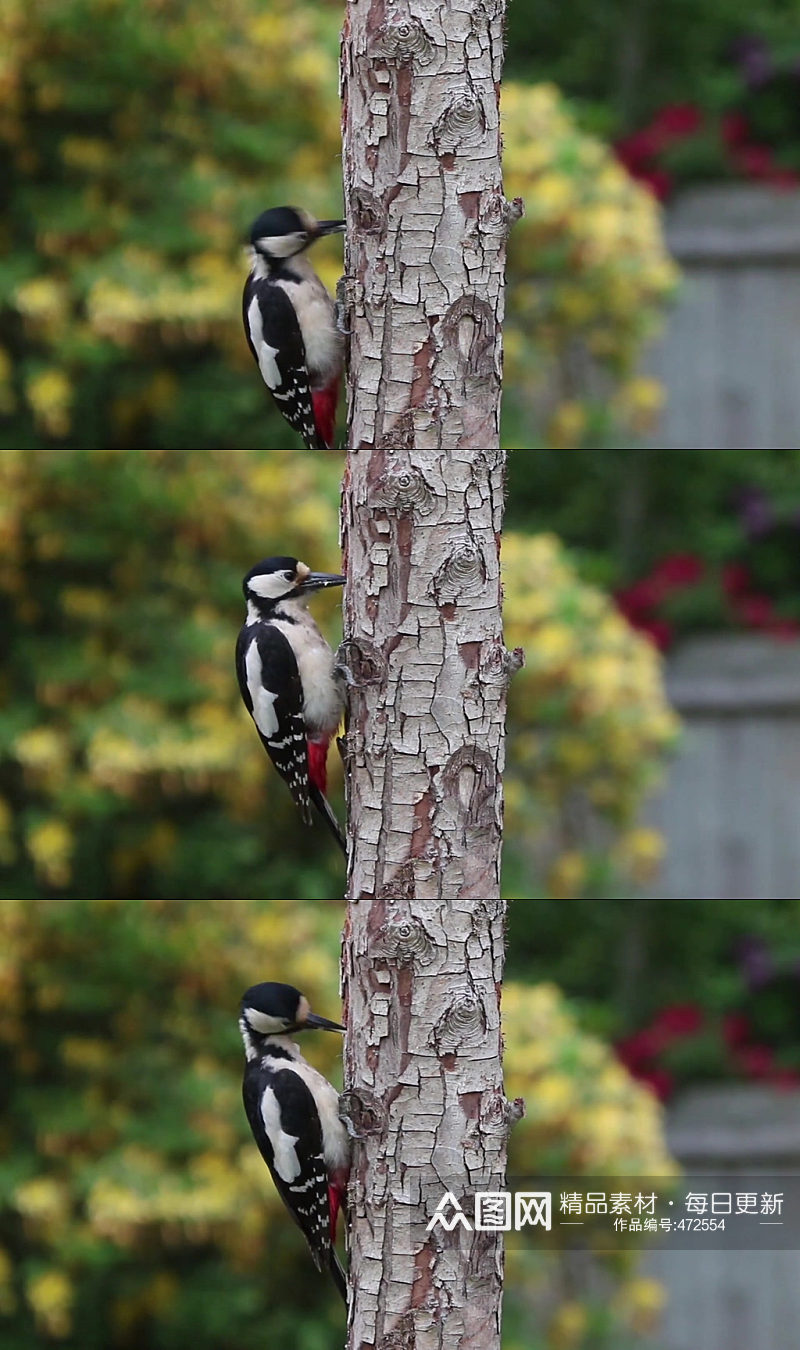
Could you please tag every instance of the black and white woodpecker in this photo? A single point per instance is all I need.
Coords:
(289, 680)
(290, 322)
(294, 1115)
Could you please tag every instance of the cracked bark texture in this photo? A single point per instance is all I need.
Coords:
(425, 1094)
(423, 944)
(427, 222)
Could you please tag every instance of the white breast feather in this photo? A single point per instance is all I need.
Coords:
(264, 714)
(335, 1139)
(316, 315)
(285, 1160)
(323, 703)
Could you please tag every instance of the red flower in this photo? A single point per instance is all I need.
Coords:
(676, 122)
(637, 1049)
(755, 610)
(735, 579)
(784, 629)
(784, 178)
(679, 569)
(641, 597)
(735, 1029)
(735, 129)
(635, 151)
(659, 632)
(680, 1019)
(785, 1078)
(658, 180)
(756, 1060)
(754, 161)
(659, 1081)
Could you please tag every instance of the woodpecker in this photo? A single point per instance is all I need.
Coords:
(294, 1115)
(289, 680)
(290, 322)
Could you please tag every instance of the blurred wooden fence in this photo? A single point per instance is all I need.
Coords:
(730, 807)
(735, 1300)
(730, 354)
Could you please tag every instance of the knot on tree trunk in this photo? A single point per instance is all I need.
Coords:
(405, 941)
(361, 661)
(362, 1112)
(462, 125)
(463, 573)
(403, 39)
(464, 1023)
(468, 785)
(401, 488)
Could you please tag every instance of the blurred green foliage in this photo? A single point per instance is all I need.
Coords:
(134, 1207)
(588, 277)
(622, 511)
(627, 58)
(589, 724)
(139, 139)
(626, 960)
(129, 768)
(128, 765)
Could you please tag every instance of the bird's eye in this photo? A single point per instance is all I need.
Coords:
(290, 576)
(302, 234)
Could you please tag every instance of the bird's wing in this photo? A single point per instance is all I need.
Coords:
(290, 1142)
(274, 337)
(273, 695)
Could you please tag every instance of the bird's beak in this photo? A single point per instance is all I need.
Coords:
(318, 581)
(321, 1023)
(330, 226)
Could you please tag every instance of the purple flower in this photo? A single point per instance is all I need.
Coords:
(757, 514)
(757, 964)
(754, 60)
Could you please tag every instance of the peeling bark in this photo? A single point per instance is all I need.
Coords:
(423, 1061)
(424, 940)
(421, 520)
(426, 246)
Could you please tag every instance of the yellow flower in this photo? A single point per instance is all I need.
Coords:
(567, 875)
(50, 1296)
(641, 852)
(50, 395)
(43, 1199)
(41, 298)
(51, 845)
(87, 152)
(567, 425)
(8, 1302)
(641, 1303)
(567, 1326)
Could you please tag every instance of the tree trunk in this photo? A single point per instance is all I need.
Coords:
(421, 518)
(423, 953)
(425, 254)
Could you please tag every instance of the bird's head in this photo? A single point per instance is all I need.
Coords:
(276, 580)
(284, 231)
(279, 1010)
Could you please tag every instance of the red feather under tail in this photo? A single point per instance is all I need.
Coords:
(324, 401)
(334, 1204)
(318, 764)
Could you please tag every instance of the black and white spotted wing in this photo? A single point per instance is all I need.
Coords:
(274, 337)
(265, 663)
(289, 1139)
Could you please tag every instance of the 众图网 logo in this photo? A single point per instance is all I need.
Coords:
(495, 1212)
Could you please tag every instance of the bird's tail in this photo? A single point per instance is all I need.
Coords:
(324, 807)
(339, 1277)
